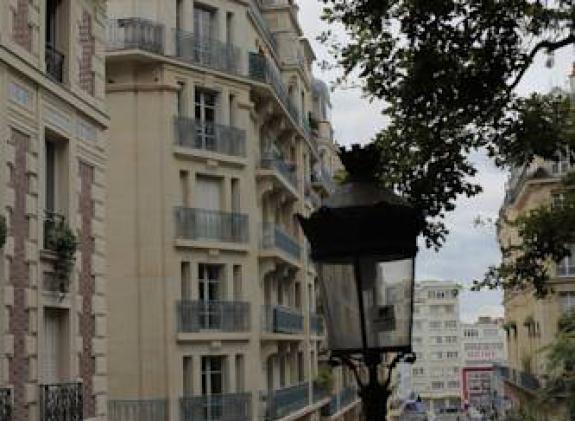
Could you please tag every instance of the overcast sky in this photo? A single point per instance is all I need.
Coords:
(469, 250)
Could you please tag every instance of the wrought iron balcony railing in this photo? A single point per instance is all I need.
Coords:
(319, 392)
(136, 33)
(261, 23)
(280, 319)
(316, 324)
(261, 69)
(322, 177)
(61, 402)
(207, 52)
(204, 224)
(287, 171)
(211, 137)
(282, 402)
(339, 401)
(138, 410)
(225, 316)
(228, 407)
(5, 404)
(275, 237)
(55, 63)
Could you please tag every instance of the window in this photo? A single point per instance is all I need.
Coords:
(557, 200)
(235, 190)
(418, 371)
(451, 355)
(237, 279)
(451, 339)
(185, 279)
(471, 333)
(437, 385)
(453, 384)
(181, 99)
(213, 385)
(437, 340)
(185, 188)
(205, 115)
(451, 324)
(437, 355)
(567, 300)
(448, 309)
(566, 267)
(491, 332)
(56, 354)
(188, 376)
(561, 164)
(209, 193)
(240, 373)
(435, 325)
(210, 291)
(204, 23)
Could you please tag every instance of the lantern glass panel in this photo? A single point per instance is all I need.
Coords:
(387, 295)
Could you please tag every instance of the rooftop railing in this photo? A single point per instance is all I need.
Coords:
(282, 402)
(276, 237)
(225, 316)
(225, 407)
(280, 319)
(136, 33)
(138, 410)
(55, 63)
(211, 225)
(211, 137)
(207, 52)
(61, 402)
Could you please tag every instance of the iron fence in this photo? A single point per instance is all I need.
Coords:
(136, 33)
(226, 407)
(138, 410)
(282, 402)
(276, 237)
(207, 52)
(61, 402)
(211, 137)
(204, 224)
(286, 170)
(280, 319)
(225, 316)
(5, 404)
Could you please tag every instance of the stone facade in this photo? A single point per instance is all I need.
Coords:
(51, 129)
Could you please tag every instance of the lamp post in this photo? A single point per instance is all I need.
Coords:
(364, 242)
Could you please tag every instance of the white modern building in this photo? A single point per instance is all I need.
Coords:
(436, 375)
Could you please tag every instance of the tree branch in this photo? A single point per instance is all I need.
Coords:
(547, 45)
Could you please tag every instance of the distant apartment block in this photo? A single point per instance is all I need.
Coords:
(436, 375)
(220, 136)
(484, 348)
(53, 154)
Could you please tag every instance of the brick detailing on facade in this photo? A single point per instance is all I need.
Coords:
(21, 28)
(87, 289)
(88, 49)
(19, 276)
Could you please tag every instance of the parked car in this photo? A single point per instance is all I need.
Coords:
(413, 411)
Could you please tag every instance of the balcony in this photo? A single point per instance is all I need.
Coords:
(275, 237)
(210, 225)
(138, 410)
(135, 33)
(339, 401)
(61, 402)
(521, 379)
(262, 70)
(210, 137)
(282, 402)
(284, 171)
(54, 64)
(280, 319)
(256, 13)
(5, 404)
(230, 407)
(207, 52)
(322, 180)
(316, 325)
(197, 316)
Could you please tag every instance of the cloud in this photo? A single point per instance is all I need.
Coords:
(469, 250)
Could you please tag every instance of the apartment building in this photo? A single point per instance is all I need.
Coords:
(215, 150)
(484, 348)
(52, 189)
(436, 375)
(530, 323)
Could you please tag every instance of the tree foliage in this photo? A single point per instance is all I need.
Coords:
(447, 70)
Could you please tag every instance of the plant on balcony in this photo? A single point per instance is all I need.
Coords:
(3, 231)
(63, 242)
(324, 379)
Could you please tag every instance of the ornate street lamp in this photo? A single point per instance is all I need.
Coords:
(364, 242)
